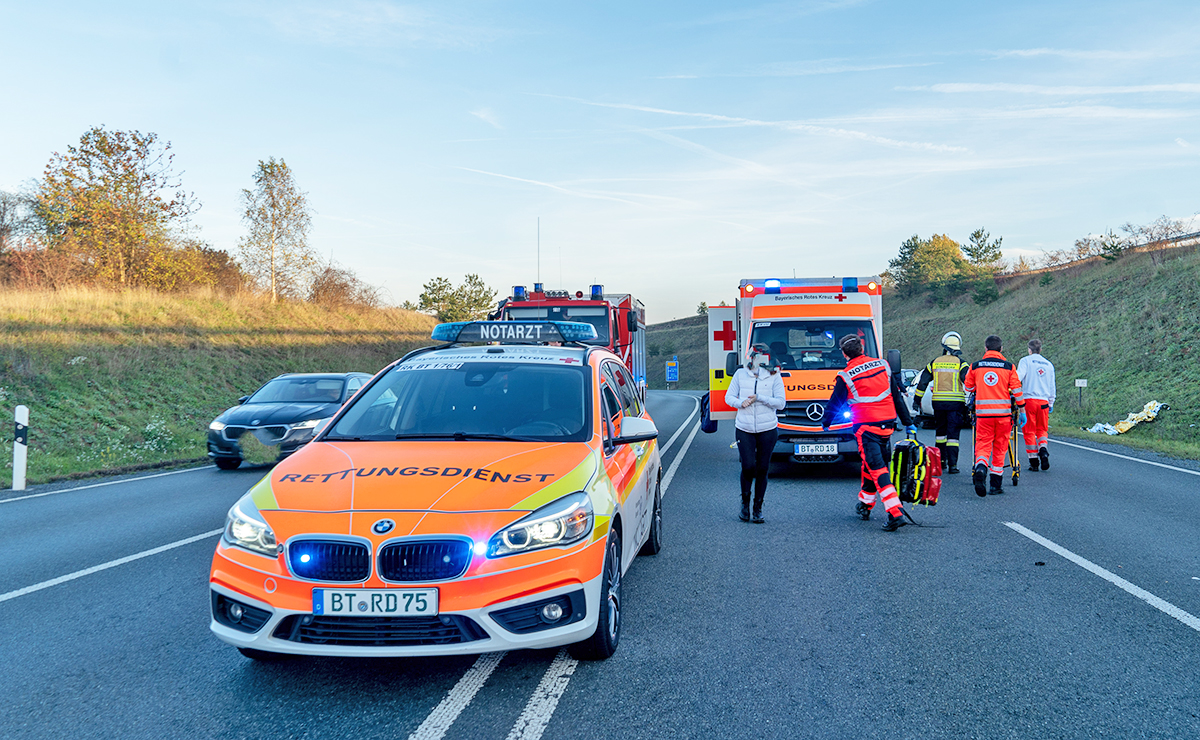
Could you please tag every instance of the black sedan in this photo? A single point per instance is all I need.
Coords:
(279, 418)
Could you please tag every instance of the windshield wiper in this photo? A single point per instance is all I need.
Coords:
(465, 436)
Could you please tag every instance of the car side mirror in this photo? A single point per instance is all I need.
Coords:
(243, 399)
(635, 429)
(893, 360)
(731, 364)
(631, 322)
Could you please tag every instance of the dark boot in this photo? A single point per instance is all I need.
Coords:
(863, 511)
(894, 522)
(952, 459)
(1044, 456)
(1033, 464)
(757, 518)
(745, 515)
(997, 486)
(978, 477)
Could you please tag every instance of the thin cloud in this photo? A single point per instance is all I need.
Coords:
(1087, 53)
(796, 126)
(1007, 87)
(777, 11)
(487, 116)
(1081, 112)
(801, 69)
(1183, 143)
(368, 23)
(552, 186)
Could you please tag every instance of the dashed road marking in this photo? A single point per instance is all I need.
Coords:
(443, 715)
(106, 566)
(1127, 457)
(106, 483)
(682, 427)
(540, 708)
(1163, 606)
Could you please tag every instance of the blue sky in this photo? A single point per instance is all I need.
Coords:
(669, 149)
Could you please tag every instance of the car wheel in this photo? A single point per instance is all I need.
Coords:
(227, 463)
(653, 541)
(264, 656)
(603, 642)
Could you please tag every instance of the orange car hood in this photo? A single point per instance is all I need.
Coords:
(427, 476)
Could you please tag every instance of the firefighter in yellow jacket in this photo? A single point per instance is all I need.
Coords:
(946, 373)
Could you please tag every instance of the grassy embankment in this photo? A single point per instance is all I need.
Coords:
(120, 380)
(1132, 328)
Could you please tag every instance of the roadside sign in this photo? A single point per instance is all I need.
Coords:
(1081, 382)
(673, 369)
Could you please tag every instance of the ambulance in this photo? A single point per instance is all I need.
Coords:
(619, 319)
(802, 321)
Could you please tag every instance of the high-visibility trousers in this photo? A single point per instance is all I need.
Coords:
(1037, 426)
(991, 442)
(874, 445)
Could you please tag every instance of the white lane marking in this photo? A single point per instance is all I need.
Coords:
(1127, 457)
(540, 708)
(443, 715)
(678, 459)
(106, 566)
(1165, 607)
(101, 485)
(681, 429)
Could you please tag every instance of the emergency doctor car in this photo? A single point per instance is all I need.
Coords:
(488, 494)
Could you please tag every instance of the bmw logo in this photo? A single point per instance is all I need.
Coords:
(383, 526)
(255, 422)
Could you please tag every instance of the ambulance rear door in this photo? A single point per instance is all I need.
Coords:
(722, 340)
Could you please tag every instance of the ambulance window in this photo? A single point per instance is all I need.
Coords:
(611, 409)
(812, 345)
(620, 380)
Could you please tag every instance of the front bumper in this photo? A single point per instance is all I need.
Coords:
(220, 446)
(847, 445)
(468, 606)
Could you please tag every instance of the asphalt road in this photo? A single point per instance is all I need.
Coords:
(815, 624)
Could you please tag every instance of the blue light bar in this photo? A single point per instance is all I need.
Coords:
(537, 288)
(597, 292)
(519, 293)
(849, 285)
(771, 287)
(515, 332)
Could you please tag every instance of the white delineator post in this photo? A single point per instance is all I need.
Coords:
(21, 448)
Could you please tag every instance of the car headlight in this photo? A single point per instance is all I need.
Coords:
(247, 529)
(216, 426)
(562, 522)
(310, 424)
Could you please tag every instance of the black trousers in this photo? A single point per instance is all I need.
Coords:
(950, 417)
(755, 451)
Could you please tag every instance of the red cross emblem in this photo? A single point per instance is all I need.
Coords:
(839, 297)
(568, 360)
(727, 335)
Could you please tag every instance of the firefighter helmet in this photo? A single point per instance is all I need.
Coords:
(952, 340)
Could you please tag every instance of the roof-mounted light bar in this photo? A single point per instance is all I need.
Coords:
(514, 332)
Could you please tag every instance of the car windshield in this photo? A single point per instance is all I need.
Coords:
(451, 399)
(300, 390)
(597, 316)
(811, 345)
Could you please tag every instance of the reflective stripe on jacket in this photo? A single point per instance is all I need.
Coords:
(869, 390)
(996, 386)
(946, 373)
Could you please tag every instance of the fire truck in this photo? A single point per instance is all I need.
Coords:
(619, 318)
(802, 321)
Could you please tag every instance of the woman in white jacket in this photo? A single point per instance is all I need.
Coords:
(756, 391)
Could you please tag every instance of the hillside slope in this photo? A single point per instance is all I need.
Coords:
(126, 379)
(1132, 328)
(686, 338)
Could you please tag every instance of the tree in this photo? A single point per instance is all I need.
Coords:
(105, 201)
(900, 269)
(470, 301)
(14, 219)
(276, 253)
(338, 287)
(981, 252)
(702, 309)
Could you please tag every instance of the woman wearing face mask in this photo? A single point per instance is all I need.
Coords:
(756, 391)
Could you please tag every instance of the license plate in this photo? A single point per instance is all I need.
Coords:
(392, 602)
(817, 449)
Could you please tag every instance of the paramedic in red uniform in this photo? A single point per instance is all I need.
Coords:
(1037, 381)
(875, 400)
(996, 386)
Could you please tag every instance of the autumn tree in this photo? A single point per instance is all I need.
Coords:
(338, 287)
(112, 202)
(470, 301)
(275, 253)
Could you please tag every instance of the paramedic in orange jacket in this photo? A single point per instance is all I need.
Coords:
(875, 400)
(997, 387)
